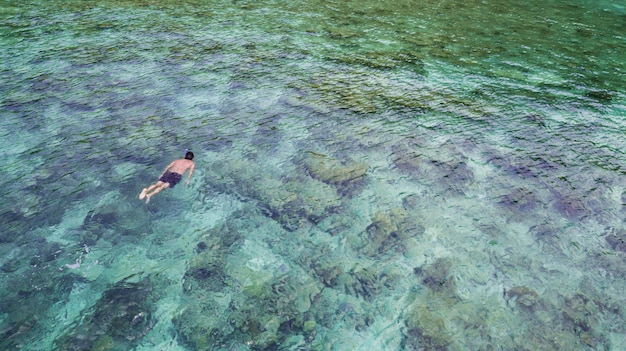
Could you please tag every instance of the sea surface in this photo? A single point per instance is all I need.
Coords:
(370, 175)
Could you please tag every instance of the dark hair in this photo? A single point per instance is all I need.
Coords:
(189, 155)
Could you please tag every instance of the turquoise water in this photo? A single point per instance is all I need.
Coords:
(371, 175)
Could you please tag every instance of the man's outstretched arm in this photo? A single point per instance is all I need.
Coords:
(193, 166)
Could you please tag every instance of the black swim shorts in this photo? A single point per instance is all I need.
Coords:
(171, 178)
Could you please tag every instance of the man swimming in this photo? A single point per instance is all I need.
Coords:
(172, 174)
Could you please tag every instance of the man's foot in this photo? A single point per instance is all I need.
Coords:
(148, 199)
(143, 193)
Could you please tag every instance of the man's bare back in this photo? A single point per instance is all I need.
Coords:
(172, 174)
(181, 166)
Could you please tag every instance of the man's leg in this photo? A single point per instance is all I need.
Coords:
(145, 191)
(157, 190)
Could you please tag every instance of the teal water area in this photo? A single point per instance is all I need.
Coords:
(371, 175)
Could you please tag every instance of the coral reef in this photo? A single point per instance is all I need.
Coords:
(389, 231)
(118, 321)
(25, 306)
(444, 166)
(344, 175)
(271, 308)
(291, 201)
(617, 239)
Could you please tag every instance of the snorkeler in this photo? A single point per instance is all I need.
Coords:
(172, 174)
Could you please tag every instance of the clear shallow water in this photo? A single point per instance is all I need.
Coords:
(371, 175)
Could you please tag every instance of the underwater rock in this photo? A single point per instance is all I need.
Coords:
(439, 279)
(524, 297)
(209, 277)
(249, 326)
(308, 326)
(389, 230)
(436, 275)
(201, 246)
(268, 137)
(335, 309)
(433, 337)
(269, 306)
(427, 326)
(455, 175)
(220, 238)
(617, 239)
(206, 268)
(13, 331)
(123, 314)
(327, 269)
(524, 167)
(569, 206)
(306, 295)
(95, 225)
(407, 158)
(580, 311)
(11, 265)
(383, 60)
(536, 119)
(14, 225)
(600, 95)
(25, 304)
(290, 201)
(519, 200)
(548, 233)
(446, 165)
(411, 202)
(337, 89)
(583, 315)
(332, 171)
(363, 282)
(314, 200)
(434, 322)
(198, 332)
(576, 317)
(343, 33)
(114, 222)
(104, 219)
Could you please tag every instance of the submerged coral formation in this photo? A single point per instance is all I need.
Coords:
(118, 321)
(293, 200)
